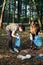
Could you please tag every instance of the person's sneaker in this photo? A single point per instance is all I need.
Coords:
(16, 50)
(11, 51)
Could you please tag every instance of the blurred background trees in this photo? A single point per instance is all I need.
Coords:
(21, 11)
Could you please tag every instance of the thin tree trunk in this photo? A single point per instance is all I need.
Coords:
(2, 13)
(37, 12)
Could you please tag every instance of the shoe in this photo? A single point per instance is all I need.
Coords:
(16, 50)
(11, 51)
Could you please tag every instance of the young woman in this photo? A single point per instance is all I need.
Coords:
(11, 30)
(34, 37)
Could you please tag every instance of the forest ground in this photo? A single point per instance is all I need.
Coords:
(8, 58)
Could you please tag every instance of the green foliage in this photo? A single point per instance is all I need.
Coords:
(1, 2)
(15, 12)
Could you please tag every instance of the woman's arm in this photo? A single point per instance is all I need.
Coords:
(13, 34)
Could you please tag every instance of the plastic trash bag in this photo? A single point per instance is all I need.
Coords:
(17, 41)
(28, 56)
(37, 41)
(40, 56)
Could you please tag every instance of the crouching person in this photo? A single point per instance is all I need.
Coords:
(35, 38)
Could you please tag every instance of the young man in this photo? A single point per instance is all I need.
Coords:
(11, 30)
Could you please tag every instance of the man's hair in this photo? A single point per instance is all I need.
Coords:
(22, 27)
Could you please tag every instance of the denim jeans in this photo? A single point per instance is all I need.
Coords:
(10, 43)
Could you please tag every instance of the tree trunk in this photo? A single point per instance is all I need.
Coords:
(2, 13)
(37, 12)
(19, 10)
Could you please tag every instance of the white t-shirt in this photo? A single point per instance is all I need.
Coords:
(31, 37)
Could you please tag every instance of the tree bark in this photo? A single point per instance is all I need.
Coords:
(2, 12)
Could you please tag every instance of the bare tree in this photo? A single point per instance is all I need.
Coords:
(2, 12)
